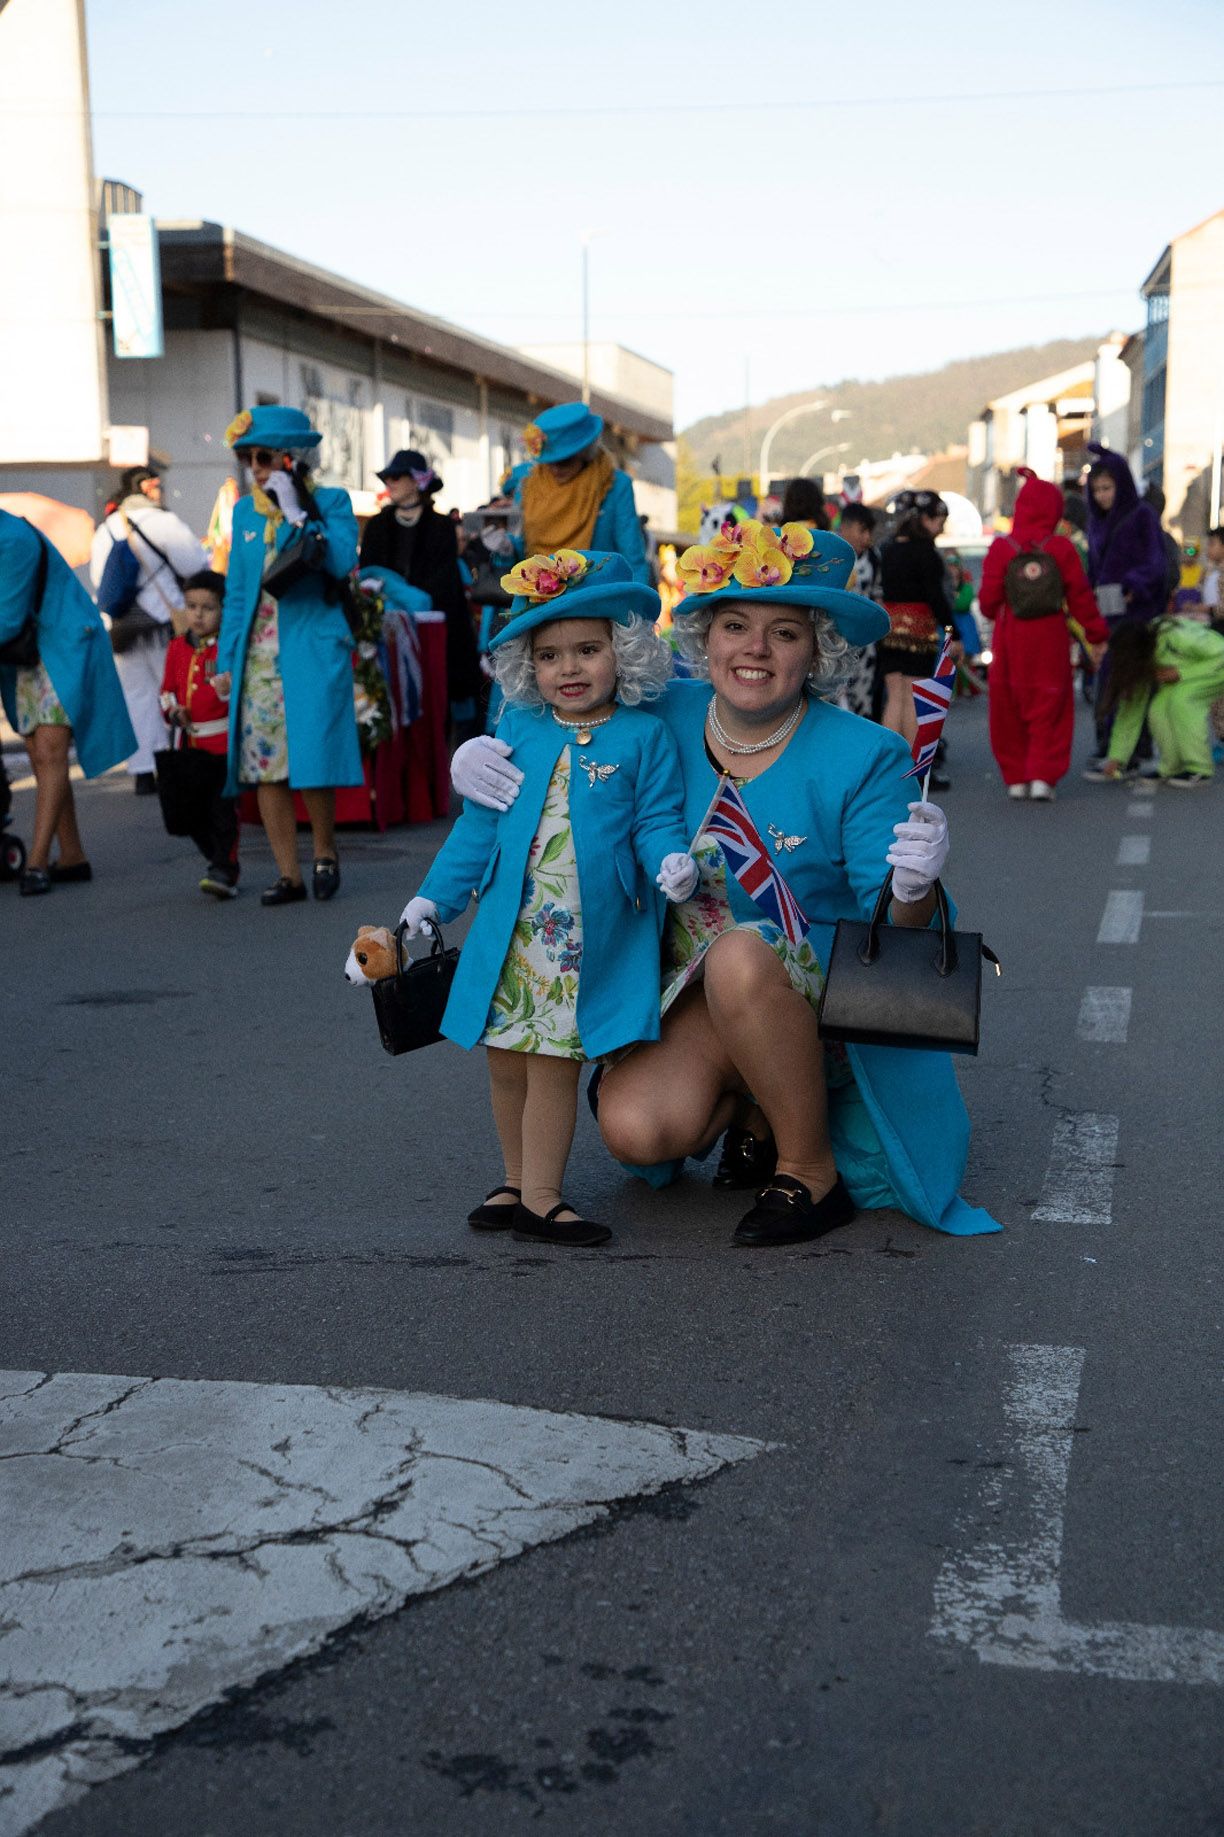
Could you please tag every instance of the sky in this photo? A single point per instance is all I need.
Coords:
(864, 192)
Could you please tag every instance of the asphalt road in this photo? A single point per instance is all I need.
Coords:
(212, 1171)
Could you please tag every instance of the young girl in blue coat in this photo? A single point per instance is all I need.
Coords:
(561, 963)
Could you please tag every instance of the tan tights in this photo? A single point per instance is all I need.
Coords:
(276, 813)
(535, 1110)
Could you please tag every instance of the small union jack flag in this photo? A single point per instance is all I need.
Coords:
(932, 695)
(749, 860)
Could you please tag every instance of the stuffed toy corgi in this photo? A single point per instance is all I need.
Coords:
(372, 956)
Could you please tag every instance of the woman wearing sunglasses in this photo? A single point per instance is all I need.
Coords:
(284, 661)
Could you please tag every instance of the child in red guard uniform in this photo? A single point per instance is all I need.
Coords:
(191, 779)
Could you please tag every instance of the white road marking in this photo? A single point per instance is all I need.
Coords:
(1144, 787)
(1079, 1181)
(1122, 918)
(1140, 810)
(1134, 851)
(1104, 1016)
(167, 1541)
(1001, 1594)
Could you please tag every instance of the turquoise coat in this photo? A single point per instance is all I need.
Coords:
(623, 825)
(839, 787)
(73, 644)
(617, 529)
(315, 647)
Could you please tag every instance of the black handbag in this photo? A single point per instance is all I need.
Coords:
(21, 650)
(130, 627)
(888, 985)
(409, 1004)
(188, 779)
(303, 555)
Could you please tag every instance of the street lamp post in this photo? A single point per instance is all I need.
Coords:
(804, 408)
(586, 239)
(823, 452)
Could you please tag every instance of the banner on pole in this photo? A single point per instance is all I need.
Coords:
(136, 297)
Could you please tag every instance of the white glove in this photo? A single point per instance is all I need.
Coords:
(481, 770)
(498, 543)
(918, 855)
(418, 913)
(677, 876)
(280, 488)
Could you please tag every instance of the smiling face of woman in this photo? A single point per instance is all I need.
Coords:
(759, 658)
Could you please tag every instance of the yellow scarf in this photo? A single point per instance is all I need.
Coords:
(271, 512)
(563, 516)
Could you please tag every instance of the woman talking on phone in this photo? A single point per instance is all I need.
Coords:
(284, 657)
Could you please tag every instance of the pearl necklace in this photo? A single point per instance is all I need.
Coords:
(729, 745)
(581, 730)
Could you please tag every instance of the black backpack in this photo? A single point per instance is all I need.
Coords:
(1032, 586)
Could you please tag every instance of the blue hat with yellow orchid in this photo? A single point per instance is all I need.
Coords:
(790, 566)
(274, 426)
(561, 432)
(574, 584)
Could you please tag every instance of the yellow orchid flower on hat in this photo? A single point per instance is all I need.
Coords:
(705, 568)
(543, 577)
(734, 537)
(765, 564)
(533, 440)
(795, 540)
(240, 425)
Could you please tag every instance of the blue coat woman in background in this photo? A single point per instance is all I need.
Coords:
(286, 663)
(818, 1133)
(571, 495)
(71, 694)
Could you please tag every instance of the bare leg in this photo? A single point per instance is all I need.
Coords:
(280, 826)
(508, 1091)
(769, 1032)
(71, 847)
(898, 713)
(320, 802)
(550, 1113)
(48, 750)
(675, 1096)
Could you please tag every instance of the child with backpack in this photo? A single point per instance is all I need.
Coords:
(1035, 589)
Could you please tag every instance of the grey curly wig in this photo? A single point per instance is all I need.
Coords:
(832, 664)
(643, 664)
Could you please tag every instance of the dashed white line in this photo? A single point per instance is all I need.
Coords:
(1104, 1016)
(1001, 1593)
(1134, 851)
(1122, 918)
(1079, 1181)
(1140, 810)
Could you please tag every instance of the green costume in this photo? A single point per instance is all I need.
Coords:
(1176, 712)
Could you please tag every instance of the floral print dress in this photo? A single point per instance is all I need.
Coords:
(535, 1006)
(37, 703)
(264, 738)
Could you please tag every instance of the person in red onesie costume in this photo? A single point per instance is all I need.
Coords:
(1033, 584)
(191, 779)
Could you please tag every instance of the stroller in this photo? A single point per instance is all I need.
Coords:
(12, 848)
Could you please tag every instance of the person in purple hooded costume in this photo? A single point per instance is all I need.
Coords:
(1126, 562)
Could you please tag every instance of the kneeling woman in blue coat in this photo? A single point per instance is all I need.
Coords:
(562, 961)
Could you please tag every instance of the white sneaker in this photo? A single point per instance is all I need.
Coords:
(1041, 792)
(1017, 791)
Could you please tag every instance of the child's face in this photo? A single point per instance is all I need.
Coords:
(575, 664)
(203, 612)
(1215, 551)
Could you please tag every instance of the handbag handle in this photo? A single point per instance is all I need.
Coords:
(946, 956)
(401, 932)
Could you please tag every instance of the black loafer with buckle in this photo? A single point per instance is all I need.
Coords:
(325, 879)
(33, 881)
(574, 1234)
(746, 1161)
(283, 892)
(488, 1217)
(785, 1213)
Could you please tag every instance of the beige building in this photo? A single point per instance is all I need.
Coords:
(626, 376)
(1182, 419)
(1045, 425)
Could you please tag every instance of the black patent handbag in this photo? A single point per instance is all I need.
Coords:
(410, 1003)
(887, 985)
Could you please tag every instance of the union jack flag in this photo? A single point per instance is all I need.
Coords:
(749, 860)
(932, 695)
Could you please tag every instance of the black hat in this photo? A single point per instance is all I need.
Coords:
(135, 476)
(408, 463)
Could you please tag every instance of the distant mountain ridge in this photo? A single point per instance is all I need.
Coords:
(923, 413)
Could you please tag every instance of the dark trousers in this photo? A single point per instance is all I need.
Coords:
(191, 786)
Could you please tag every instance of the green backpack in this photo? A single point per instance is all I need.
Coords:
(1032, 586)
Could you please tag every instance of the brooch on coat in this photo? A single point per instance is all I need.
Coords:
(249, 535)
(596, 773)
(781, 842)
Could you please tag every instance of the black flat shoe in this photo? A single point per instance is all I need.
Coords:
(325, 879)
(145, 784)
(487, 1217)
(283, 892)
(785, 1213)
(34, 880)
(80, 870)
(577, 1234)
(746, 1162)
